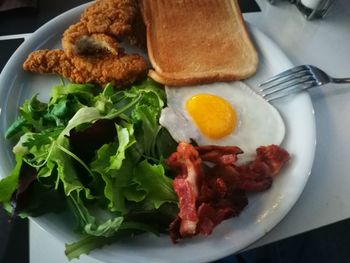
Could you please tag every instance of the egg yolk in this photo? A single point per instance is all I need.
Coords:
(214, 116)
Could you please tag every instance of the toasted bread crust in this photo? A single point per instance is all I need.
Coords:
(197, 41)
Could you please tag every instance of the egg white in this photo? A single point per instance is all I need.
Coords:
(259, 123)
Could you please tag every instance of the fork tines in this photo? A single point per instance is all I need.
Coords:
(287, 82)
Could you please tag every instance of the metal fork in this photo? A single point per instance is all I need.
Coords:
(295, 80)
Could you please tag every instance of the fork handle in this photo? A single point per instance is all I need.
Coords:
(341, 81)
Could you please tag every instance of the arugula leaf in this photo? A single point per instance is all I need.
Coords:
(35, 115)
(36, 148)
(94, 221)
(30, 118)
(89, 243)
(106, 229)
(15, 127)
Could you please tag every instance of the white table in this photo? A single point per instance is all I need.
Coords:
(325, 200)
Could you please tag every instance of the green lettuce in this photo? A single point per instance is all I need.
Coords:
(121, 188)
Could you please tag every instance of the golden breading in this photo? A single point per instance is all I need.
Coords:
(53, 61)
(77, 40)
(120, 70)
(114, 17)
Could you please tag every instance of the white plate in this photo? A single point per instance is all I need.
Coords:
(264, 211)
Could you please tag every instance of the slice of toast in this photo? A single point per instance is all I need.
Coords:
(197, 41)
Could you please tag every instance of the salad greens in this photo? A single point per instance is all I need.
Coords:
(99, 154)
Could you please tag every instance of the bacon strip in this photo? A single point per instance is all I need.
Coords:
(273, 156)
(207, 196)
(220, 155)
(186, 162)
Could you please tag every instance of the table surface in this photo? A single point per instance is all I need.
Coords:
(324, 43)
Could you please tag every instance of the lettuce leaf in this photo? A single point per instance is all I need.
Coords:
(158, 187)
(8, 186)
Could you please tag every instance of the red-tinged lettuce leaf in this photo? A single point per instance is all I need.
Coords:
(66, 172)
(66, 160)
(165, 144)
(27, 176)
(38, 200)
(83, 115)
(84, 143)
(21, 193)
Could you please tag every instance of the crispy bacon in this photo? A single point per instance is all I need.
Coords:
(186, 162)
(244, 178)
(273, 156)
(213, 213)
(209, 195)
(220, 155)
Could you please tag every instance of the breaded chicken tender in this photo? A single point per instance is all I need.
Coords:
(114, 17)
(120, 70)
(118, 18)
(54, 61)
(77, 40)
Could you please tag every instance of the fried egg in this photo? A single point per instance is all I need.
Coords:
(226, 114)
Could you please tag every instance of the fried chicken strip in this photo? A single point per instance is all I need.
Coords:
(55, 62)
(118, 18)
(114, 17)
(120, 70)
(77, 40)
